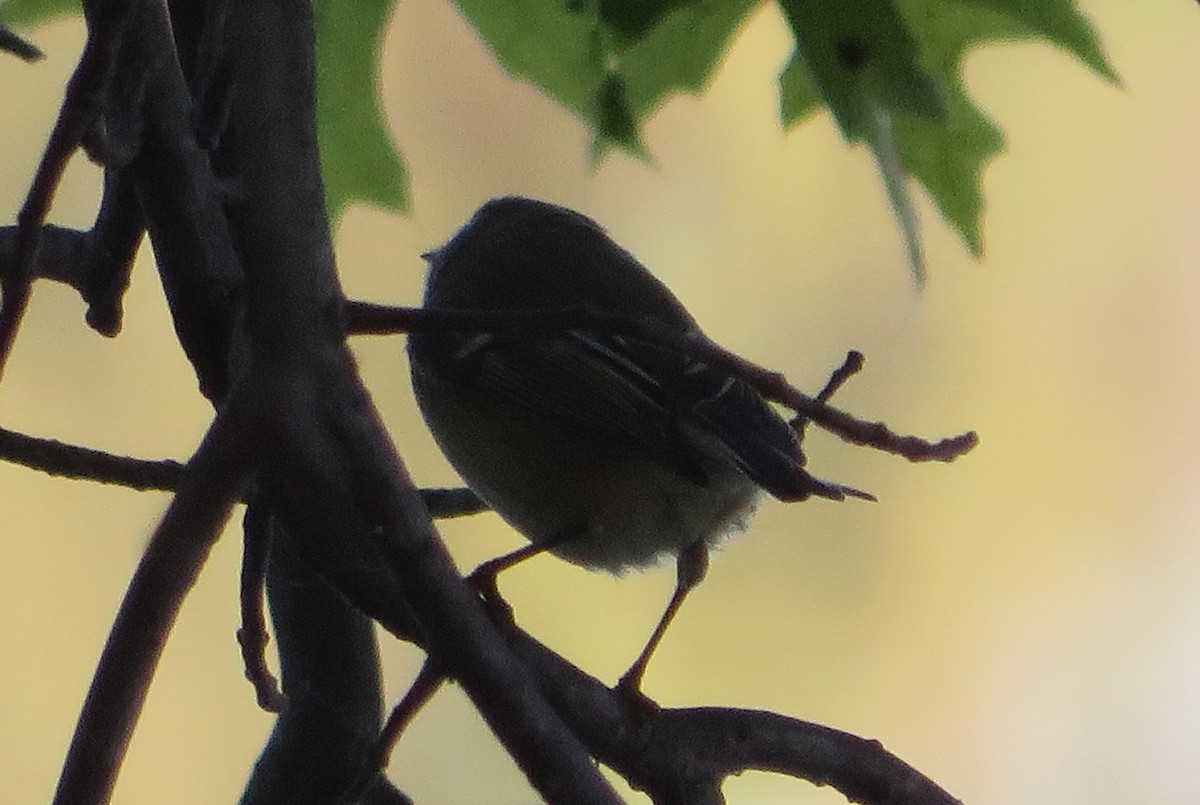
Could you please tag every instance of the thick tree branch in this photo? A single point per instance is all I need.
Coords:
(683, 755)
(203, 280)
(185, 213)
(213, 482)
(332, 436)
(328, 662)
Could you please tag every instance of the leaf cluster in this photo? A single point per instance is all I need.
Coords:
(889, 72)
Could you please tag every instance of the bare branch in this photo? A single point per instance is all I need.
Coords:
(367, 318)
(96, 263)
(720, 742)
(329, 668)
(332, 439)
(11, 43)
(429, 680)
(83, 463)
(212, 483)
(71, 461)
(184, 206)
(114, 240)
(85, 95)
(252, 635)
(683, 755)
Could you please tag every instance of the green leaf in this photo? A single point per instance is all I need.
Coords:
(358, 157)
(30, 13)
(552, 44)
(883, 144)
(946, 153)
(611, 62)
(632, 19)
(798, 98)
(860, 55)
(861, 59)
(615, 121)
(1058, 22)
(948, 157)
(681, 53)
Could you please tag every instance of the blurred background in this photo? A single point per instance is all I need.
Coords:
(1022, 625)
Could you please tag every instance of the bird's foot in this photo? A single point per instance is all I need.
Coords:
(637, 703)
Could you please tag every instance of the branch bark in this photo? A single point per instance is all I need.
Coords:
(212, 483)
(364, 317)
(86, 92)
(332, 439)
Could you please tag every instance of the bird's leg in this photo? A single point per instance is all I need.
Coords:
(483, 579)
(691, 568)
(427, 683)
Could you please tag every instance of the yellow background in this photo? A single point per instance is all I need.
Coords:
(1023, 625)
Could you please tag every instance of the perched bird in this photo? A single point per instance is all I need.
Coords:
(606, 451)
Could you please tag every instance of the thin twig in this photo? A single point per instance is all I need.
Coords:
(114, 242)
(85, 96)
(72, 461)
(427, 683)
(850, 367)
(367, 318)
(252, 636)
(11, 43)
(97, 263)
(429, 680)
(86, 464)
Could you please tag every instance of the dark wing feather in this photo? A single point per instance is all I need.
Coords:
(764, 446)
(575, 378)
(643, 395)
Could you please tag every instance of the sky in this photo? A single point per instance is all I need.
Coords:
(1022, 625)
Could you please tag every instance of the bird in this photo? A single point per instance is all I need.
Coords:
(608, 451)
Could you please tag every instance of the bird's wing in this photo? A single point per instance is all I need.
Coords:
(577, 378)
(765, 446)
(668, 406)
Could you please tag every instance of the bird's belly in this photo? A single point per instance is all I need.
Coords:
(597, 500)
